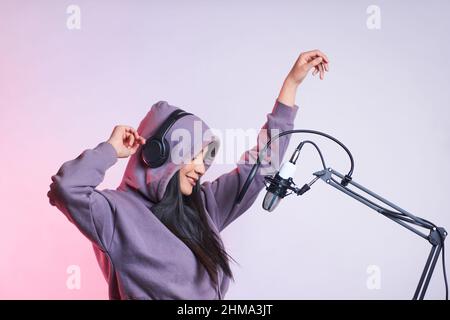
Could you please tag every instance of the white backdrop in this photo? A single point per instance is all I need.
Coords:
(386, 97)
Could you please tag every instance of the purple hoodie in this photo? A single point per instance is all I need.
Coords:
(139, 256)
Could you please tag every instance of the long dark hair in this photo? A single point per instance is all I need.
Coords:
(185, 216)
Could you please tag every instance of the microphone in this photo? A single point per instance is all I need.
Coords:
(278, 186)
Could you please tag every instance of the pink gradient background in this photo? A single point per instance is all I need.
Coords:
(62, 91)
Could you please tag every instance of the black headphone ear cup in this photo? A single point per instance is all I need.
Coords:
(165, 153)
(155, 152)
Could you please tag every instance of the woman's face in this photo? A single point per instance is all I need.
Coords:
(191, 172)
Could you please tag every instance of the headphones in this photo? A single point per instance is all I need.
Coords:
(156, 150)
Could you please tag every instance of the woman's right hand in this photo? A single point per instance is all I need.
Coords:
(125, 140)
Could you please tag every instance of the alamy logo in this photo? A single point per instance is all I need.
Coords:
(373, 21)
(232, 142)
(73, 21)
(374, 280)
(73, 281)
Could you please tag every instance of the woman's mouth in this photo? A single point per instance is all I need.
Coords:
(191, 181)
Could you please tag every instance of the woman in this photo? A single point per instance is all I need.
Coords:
(157, 236)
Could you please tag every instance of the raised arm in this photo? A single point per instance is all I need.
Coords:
(73, 188)
(220, 194)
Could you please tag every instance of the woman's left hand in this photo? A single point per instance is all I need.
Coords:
(315, 60)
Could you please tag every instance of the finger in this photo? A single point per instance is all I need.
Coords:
(314, 62)
(310, 54)
(321, 54)
(131, 130)
(136, 135)
(139, 139)
(135, 147)
(138, 142)
(322, 72)
(315, 53)
(130, 139)
(324, 56)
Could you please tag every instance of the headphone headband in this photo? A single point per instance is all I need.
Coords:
(156, 150)
(169, 122)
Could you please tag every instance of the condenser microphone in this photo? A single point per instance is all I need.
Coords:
(278, 186)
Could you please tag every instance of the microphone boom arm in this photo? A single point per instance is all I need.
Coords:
(436, 237)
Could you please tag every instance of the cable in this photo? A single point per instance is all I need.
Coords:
(255, 167)
(352, 163)
(445, 274)
(300, 146)
(398, 215)
(347, 178)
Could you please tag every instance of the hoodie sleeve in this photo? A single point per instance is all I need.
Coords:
(220, 194)
(73, 191)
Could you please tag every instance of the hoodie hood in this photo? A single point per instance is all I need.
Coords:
(187, 137)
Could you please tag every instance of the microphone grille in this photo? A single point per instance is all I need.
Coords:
(271, 201)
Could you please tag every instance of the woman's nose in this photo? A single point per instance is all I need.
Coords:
(200, 169)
